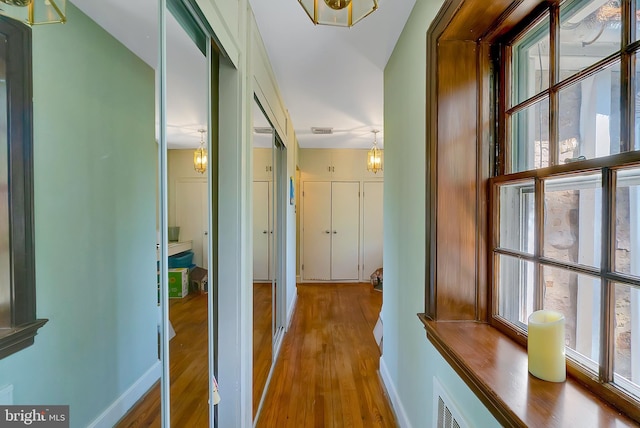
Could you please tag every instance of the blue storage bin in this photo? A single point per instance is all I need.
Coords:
(181, 260)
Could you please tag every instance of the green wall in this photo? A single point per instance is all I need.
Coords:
(95, 228)
(409, 361)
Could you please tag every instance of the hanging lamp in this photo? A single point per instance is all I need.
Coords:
(375, 156)
(341, 13)
(37, 11)
(200, 155)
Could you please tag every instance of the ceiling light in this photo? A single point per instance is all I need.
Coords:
(200, 155)
(375, 156)
(341, 13)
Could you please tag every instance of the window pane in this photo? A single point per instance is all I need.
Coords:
(589, 32)
(589, 117)
(5, 245)
(516, 289)
(627, 239)
(637, 104)
(530, 63)
(517, 216)
(578, 297)
(530, 137)
(572, 219)
(627, 339)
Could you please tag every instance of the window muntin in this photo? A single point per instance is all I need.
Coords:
(585, 126)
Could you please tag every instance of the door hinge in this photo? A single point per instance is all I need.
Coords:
(302, 267)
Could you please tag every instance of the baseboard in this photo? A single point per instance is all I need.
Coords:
(396, 403)
(292, 309)
(298, 279)
(123, 404)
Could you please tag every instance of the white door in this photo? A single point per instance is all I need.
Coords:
(316, 230)
(191, 216)
(345, 231)
(372, 227)
(261, 231)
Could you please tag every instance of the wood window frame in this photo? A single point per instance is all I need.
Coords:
(465, 104)
(20, 331)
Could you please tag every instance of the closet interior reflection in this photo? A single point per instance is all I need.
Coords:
(269, 185)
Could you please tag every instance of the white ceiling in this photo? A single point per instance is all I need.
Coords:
(328, 76)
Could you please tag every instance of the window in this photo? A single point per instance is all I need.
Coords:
(18, 323)
(566, 195)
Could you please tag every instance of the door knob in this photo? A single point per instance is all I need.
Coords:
(264, 231)
(327, 232)
(334, 232)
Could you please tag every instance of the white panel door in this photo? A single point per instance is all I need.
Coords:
(316, 230)
(261, 231)
(345, 231)
(191, 215)
(372, 227)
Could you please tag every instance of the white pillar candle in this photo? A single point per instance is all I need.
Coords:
(545, 346)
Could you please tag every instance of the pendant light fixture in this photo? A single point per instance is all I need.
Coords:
(341, 13)
(200, 155)
(375, 155)
(37, 11)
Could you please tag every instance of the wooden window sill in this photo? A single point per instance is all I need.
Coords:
(13, 340)
(495, 368)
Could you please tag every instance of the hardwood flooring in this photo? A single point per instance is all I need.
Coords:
(326, 375)
(327, 372)
(188, 367)
(262, 339)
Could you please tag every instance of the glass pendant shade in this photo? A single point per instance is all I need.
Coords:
(341, 13)
(375, 156)
(200, 160)
(374, 160)
(36, 12)
(200, 155)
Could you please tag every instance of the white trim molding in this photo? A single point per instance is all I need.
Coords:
(396, 403)
(125, 402)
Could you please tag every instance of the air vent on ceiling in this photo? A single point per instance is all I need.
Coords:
(321, 131)
(445, 413)
(262, 130)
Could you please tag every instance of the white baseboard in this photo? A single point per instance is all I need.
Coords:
(298, 279)
(291, 310)
(396, 403)
(123, 404)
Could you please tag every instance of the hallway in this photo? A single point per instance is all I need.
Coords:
(327, 372)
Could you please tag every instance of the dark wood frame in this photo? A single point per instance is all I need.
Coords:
(466, 105)
(24, 324)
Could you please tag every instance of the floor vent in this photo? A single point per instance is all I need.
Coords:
(445, 413)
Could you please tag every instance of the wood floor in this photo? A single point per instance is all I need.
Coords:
(327, 371)
(326, 375)
(188, 368)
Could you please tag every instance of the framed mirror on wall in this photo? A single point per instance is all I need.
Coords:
(270, 198)
(18, 323)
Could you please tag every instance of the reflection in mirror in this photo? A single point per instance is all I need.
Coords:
(188, 214)
(263, 272)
